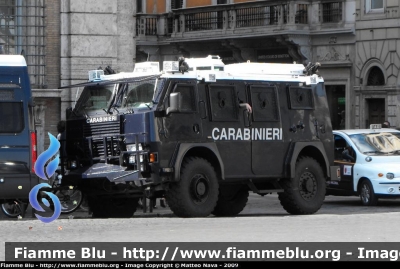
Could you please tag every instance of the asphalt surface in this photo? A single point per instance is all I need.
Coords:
(257, 206)
(340, 219)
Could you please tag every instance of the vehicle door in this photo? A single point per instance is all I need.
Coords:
(268, 146)
(345, 158)
(184, 125)
(229, 127)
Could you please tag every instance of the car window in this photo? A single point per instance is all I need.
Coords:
(384, 142)
(343, 151)
(12, 117)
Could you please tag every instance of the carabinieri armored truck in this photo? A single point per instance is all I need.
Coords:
(203, 135)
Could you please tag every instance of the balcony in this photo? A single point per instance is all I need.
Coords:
(250, 19)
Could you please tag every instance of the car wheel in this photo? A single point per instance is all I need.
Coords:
(367, 194)
(13, 209)
(70, 200)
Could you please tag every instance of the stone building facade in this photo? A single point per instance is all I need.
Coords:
(377, 64)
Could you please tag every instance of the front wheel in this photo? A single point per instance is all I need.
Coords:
(196, 194)
(367, 194)
(13, 209)
(305, 193)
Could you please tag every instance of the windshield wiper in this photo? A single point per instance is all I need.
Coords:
(374, 151)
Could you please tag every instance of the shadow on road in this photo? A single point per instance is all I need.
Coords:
(260, 206)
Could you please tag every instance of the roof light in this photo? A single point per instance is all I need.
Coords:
(375, 126)
(147, 67)
(171, 66)
(95, 75)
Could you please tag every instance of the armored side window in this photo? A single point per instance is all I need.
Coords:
(265, 103)
(300, 98)
(223, 102)
(187, 92)
(12, 117)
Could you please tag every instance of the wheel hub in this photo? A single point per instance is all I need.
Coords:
(365, 194)
(199, 188)
(307, 185)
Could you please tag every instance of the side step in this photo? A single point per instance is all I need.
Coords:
(255, 190)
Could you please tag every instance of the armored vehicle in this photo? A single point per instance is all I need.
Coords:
(203, 135)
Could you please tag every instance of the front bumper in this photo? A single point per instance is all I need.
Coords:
(114, 173)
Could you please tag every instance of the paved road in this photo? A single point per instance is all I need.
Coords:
(341, 219)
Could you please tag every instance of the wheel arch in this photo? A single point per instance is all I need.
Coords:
(360, 180)
(311, 149)
(208, 151)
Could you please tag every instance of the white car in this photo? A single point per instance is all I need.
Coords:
(369, 161)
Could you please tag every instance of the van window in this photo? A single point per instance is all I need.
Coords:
(12, 117)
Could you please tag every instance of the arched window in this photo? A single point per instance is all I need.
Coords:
(375, 77)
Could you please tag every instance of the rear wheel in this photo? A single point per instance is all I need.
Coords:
(305, 193)
(232, 200)
(196, 194)
(112, 207)
(367, 194)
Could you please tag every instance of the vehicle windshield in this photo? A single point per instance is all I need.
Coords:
(377, 143)
(132, 94)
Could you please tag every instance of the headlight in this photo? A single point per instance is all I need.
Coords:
(132, 147)
(132, 156)
(390, 176)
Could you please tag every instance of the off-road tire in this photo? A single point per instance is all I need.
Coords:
(112, 207)
(367, 194)
(232, 200)
(305, 193)
(196, 194)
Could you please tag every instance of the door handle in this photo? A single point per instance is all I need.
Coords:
(196, 128)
